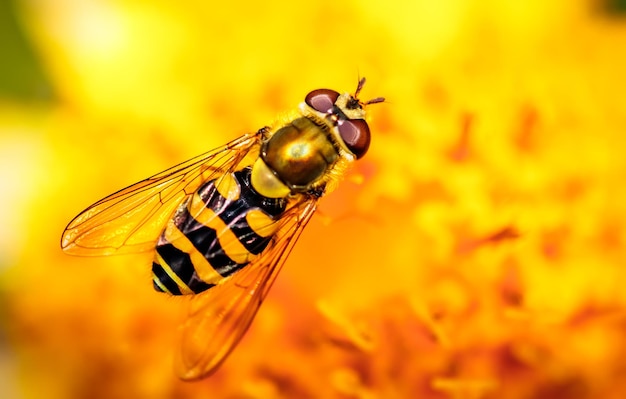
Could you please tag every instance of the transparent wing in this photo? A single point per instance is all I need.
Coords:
(219, 318)
(131, 219)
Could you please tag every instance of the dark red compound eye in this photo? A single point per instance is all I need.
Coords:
(356, 134)
(322, 100)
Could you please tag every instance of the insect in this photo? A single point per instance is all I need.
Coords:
(222, 224)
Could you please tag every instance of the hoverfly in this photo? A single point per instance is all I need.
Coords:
(222, 224)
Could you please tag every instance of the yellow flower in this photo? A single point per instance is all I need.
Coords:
(476, 251)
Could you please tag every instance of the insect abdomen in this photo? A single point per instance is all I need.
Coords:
(219, 230)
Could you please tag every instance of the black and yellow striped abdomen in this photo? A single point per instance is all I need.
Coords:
(219, 230)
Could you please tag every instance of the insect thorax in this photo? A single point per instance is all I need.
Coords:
(298, 157)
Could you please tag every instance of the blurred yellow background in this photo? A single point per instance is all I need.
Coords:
(477, 251)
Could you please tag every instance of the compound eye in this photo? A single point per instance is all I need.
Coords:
(355, 133)
(322, 100)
